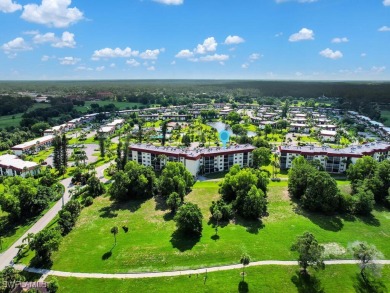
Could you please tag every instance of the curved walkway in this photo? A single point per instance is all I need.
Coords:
(45, 272)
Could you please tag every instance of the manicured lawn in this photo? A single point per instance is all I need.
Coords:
(386, 114)
(340, 278)
(6, 121)
(152, 245)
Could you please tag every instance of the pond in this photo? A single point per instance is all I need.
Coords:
(220, 126)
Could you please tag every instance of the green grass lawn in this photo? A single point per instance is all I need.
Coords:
(341, 278)
(386, 114)
(10, 120)
(14, 120)
(152, 245)
(119, 105)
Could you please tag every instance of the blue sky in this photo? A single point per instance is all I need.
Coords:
(185, 39)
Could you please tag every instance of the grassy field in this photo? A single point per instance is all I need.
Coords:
(10, 120)
(119, 105)
(14, 120)
(151, 243)
(386, 114)
(342, 278)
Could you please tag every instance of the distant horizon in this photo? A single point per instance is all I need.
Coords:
(195, 79)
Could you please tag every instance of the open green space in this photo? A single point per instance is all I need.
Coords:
(386, 114)
(10, 120)
(151, 243)
(336, 278)
(119, 105)
(14, 120)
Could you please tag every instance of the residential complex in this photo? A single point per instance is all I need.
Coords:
(197, 161)
(333, 160)
(11, 165)
(33, 145)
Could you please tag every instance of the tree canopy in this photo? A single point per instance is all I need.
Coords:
(310, 252)
(135, 182)
(189, 219)
(175, 178)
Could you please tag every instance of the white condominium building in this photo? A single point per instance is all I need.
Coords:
(334, 160)
(11, 165)
(33, 145)
(197, 161)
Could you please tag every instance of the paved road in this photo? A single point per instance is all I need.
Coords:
(178, 273)
(10, 253)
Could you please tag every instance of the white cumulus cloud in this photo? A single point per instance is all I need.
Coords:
(386, 2)
(45, 38)
(184, 54)
(114, 53)
(215, 57)
(55, 13)
(66, 40)
(100, 68)
(254, 56)
(377, 70)
(69, 60)
(151, 68)
(302, 35)
(170, 2)
(132, 62)
(150, 54)
(245, 66)
(234, 40)
(340, 40)
(328, 53)
(384, 28)
(83, 68)
(16, 45)
(209, 45)
(8, 6)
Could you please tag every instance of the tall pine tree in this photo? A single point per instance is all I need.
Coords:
(119, 156)
(102, 146)
(125, 156)
(57, 153)
(64, 151)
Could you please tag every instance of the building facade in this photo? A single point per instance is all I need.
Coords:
(334, 160)
(197, 161)
(11, 165)
(33, 145)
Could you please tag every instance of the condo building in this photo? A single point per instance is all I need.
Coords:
(11, 165)
(33, 145)
(334, 160)
(197, 161)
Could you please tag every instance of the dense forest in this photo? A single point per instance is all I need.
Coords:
(378, 92)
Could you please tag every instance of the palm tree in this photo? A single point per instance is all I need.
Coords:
(28, 238)
(245, 260)
(114, 230)
(274, 163)
(217, 215)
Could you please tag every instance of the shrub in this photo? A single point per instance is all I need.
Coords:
(88, 201)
